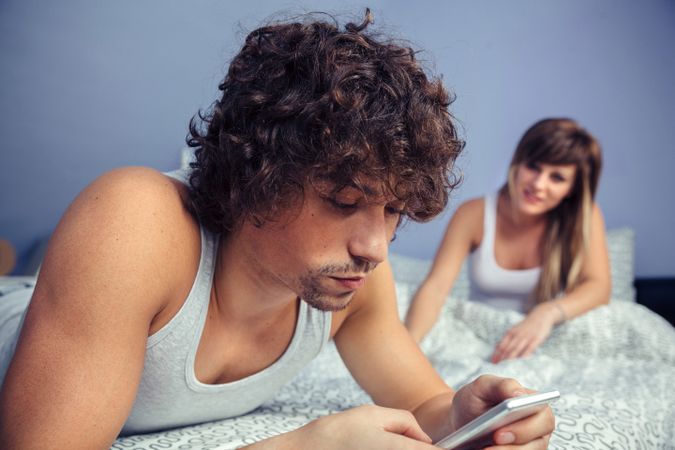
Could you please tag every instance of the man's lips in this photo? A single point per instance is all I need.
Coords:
(350, 282)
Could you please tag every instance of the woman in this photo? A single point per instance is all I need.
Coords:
(536, 246)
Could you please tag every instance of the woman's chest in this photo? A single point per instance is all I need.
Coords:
(518, 249)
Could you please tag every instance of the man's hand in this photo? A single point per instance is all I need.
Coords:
(365, 428)
(524, 338)
(532, 432)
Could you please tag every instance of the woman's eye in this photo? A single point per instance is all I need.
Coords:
(532, 165)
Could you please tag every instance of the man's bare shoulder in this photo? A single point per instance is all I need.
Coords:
(132, 185)
(124, 253)
(130, 228)
(140, 195)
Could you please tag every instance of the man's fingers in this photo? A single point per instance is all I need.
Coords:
(399, 442)
(528, 429)
(403, 423)
(492, 389)
(537, 444)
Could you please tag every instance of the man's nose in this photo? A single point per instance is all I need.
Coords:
(370, 238)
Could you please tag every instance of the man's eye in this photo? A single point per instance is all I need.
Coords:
(393, 210)
(341, 205)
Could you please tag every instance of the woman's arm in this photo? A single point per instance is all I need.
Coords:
(462, 233)
(592, 291)
(110, 267)
(594, 287)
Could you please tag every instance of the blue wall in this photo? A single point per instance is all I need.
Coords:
(86, 86)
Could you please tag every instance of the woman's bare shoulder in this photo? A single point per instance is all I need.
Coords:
(473, 205)
(467, 222)
(470, 212)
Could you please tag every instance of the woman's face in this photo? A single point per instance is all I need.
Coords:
(541, 187)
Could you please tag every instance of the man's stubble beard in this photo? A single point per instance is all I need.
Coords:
(314, 294)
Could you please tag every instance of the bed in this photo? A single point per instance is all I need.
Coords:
(614, 367)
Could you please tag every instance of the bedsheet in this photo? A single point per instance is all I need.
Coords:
(614, 367)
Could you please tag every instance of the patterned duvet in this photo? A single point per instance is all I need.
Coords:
(615, 368)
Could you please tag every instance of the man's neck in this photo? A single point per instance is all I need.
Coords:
(244, 290)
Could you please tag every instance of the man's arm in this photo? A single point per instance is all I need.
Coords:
(387, 363)
(108, 270)
(365, 427)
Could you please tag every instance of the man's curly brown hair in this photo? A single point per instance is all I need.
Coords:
(305, 101)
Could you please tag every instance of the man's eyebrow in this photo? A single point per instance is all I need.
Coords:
(366, 189)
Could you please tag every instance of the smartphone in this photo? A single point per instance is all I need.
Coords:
(478, 432)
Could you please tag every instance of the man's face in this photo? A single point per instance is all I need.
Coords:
(323, 248)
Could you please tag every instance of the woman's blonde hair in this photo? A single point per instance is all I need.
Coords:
(566, 239)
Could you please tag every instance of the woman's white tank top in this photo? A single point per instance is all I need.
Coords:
(490, 283)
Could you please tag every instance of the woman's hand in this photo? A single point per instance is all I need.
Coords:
(524, 338)
(366, 427)
(532, 432)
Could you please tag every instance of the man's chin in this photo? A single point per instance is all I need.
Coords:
(329, 303)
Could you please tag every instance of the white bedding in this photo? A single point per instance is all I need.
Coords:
(614, 367)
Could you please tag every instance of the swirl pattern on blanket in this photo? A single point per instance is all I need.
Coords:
(614, 367)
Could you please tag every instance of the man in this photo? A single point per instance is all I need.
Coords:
(167, 301)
